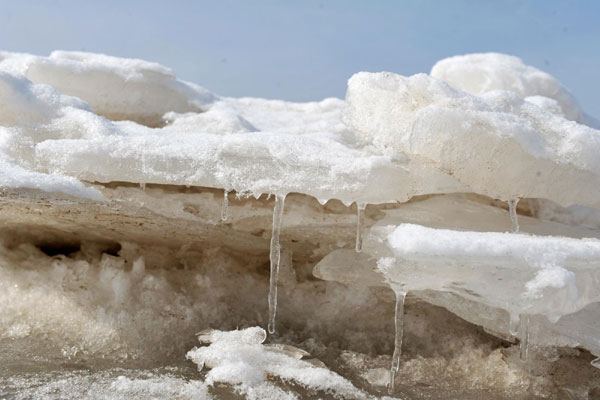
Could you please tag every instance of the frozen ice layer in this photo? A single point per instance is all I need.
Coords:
(523, 274)
(485, 72)
(495, 143)
(254, 163)
(119, 88)
(463, 283)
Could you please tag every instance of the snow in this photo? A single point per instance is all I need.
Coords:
(485, 72)
(496, 143)
(240, 359)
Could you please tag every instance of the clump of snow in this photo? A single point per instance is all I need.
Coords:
(239, 358)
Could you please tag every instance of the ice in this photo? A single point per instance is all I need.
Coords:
(398, 336)
(521, 150)
(460, 212)
(248, 366)
(118, 88)
(486, 72)
(512, 209)
(360, 210)
(225, 209)
(147, 163)
(552, 276)
(275, 258)
(524, 335)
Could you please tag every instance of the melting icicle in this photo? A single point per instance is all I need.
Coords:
(513, 324)
(360, 208)
(596, 362)
(524, 334)
(275, 257)
(225, 209)
(512, 209)
(399, 326)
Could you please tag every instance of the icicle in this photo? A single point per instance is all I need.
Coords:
(143, 186)
(524, 335)
(275, 257)
(513, 324)
(596, 362)
(399, 326)
(360, 208)
(512, 209)
(225, 208)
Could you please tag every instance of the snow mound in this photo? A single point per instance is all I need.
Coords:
(485, 72)
(497, 144)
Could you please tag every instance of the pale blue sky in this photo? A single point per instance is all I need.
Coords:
(306, 50)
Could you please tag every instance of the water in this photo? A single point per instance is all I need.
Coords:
(275, 258)
(399, 327)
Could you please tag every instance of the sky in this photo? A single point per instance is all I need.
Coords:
(306, 50)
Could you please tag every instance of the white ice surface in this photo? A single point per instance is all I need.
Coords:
(495, 143)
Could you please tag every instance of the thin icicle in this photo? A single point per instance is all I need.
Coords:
(399, 326)
(512, 209)
(275, 257)
(513, 324)
(143, 186)
(360, 208)
(524, 335)
(596, 362)
(225, 209)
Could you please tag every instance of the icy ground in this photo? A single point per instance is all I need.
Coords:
(433, 236)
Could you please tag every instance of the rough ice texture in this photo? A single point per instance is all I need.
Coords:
(496, 143)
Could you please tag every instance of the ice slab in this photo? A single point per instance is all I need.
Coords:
(495, 143)
(445, 281)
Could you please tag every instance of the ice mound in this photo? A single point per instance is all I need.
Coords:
(240, 359)
(118, 88)
(486, 72)
(496, 143)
